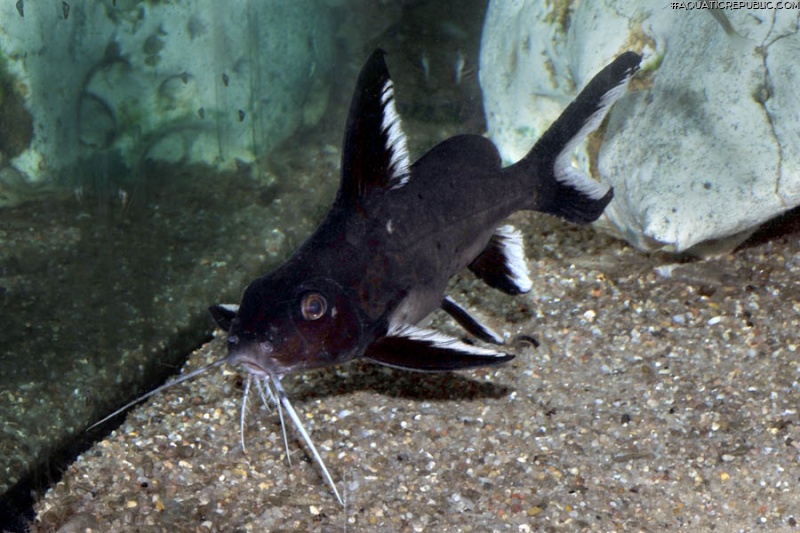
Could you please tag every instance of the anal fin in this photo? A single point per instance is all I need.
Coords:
(412, 348)
(502, 264)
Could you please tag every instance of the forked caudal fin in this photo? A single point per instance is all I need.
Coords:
(562, 189)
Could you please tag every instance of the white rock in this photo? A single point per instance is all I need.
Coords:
(196, 80)
(705, 146)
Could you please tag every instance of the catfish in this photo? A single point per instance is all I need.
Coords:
(397, 231)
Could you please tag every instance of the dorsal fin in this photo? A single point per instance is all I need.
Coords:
(375, 153)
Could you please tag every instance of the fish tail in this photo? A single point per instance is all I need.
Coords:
(562, 189)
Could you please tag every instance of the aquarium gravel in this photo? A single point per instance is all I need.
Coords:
(663, 395)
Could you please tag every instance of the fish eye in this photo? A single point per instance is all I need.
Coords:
(313, 306)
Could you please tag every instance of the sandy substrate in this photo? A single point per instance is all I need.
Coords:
(663, 396)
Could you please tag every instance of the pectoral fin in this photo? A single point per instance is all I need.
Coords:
(412, 348)
(223, 314)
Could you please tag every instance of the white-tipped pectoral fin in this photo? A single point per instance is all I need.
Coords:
(412, 348)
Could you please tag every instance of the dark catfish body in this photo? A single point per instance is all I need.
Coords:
(397, 232)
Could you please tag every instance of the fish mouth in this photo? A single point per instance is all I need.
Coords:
(255, 369)
(255, 356)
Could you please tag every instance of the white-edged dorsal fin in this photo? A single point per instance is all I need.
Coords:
(375, 153)
(396, 144)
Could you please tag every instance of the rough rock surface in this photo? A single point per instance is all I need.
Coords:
(703, 148)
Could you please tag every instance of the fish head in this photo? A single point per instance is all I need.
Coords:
(282, 327)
